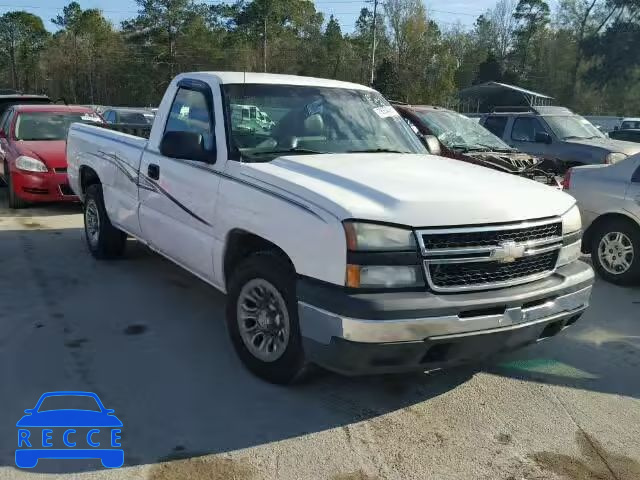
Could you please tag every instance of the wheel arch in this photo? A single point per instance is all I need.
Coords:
(241, 243)
(88, 176)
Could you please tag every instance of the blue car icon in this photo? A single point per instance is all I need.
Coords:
(89, 431)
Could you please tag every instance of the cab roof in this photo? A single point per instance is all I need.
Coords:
(272, 78)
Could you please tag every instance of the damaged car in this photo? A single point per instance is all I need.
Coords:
(450, 134)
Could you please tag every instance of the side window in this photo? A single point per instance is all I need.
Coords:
(525, 128)
(496, 125)
(5, 122)
(108, 116)
(190, 113)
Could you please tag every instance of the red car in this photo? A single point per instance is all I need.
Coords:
(33, 151)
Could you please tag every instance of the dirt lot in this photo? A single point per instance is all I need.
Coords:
(150, 340)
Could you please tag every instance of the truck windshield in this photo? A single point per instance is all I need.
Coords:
(49, 125)
(272, 120)
(460, 132)
(572, 126)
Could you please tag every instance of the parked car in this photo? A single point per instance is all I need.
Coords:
(130, 116)
(629, 123)
(628, 135)
(556, 134)
(609, 199)
(462, 138)
(9, 99)
(32, 151)
(337, 238)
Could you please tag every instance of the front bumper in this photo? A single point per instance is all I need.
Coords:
(42, 186)
(384, 332)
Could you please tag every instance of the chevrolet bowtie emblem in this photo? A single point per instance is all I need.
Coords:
(508, 252)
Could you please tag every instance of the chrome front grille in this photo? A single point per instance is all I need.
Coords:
(492, 256)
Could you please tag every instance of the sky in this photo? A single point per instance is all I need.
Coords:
(445, 12)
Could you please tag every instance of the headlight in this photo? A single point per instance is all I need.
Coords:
(572, 233)
(384, 276)
(374, 237)
(615, 157)
(571, 221)
(30, 164)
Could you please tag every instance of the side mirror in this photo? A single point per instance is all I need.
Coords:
(616, 128)
(185, 145)
(432, 143)
(543, 137)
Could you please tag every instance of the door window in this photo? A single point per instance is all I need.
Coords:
(190, 112)
(5, 122)
(496, 125)
(525, 129)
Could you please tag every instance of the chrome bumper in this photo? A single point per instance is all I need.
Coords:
(385, 331)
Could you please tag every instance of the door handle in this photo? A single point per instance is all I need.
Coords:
(153, 171)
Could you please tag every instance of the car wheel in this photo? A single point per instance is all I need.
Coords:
(103, 239)
(615, 251)
(262, 318)
(15, 202)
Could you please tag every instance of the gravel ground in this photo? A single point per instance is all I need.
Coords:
(150, 340)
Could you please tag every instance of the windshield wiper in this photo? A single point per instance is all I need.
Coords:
(295, 150)
(376, 150)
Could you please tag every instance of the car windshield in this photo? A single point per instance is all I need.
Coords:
(271, 120)
(69, 402)
(460, 132)
(135, 118)
(572, 126)
(49, 125)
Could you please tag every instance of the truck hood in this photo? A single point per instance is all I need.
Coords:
(629, 148)
(414, 190)
(51, 152)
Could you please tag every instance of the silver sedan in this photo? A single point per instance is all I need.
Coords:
(609, 200)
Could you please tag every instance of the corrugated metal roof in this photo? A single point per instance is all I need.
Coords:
(496, 86)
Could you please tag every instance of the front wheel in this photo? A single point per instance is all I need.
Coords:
(615, 252)
(103, 239)
(262, 318)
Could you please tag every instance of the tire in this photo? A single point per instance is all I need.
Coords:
(103, 239)
(624, 235)
(287, 363)
(15, 202)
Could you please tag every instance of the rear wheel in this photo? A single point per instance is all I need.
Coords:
(103, 239)
(615, 251)
(262, 318)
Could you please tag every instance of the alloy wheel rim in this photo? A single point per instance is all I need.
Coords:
(263, 320)
(616, 253)
(92, 222)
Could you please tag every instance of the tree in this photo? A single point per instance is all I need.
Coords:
(533, 17)
(386, 80)
(22, 34)
(489, 70)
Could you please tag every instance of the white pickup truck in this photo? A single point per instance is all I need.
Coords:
(338, 239)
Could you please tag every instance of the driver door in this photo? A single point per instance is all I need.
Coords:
(178, 196)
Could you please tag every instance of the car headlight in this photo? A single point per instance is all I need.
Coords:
(572, 237)
(571, 221)
(384, 276)
(374, 237)
(615, 157)
(30, 164)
